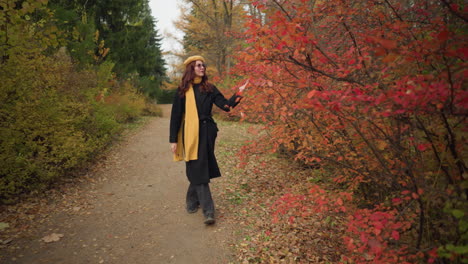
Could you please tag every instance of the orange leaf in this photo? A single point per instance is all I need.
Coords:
(386, 43)
(389, 58)
(311, 94)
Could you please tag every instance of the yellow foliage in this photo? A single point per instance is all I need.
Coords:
(210, 28)
(51, 120)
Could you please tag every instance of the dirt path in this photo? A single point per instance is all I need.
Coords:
(133, 213)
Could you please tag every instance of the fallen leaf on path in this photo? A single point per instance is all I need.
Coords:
(52, 238)
(4, 242)
(4, 225)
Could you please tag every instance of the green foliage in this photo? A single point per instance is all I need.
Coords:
(128, 30)
(457, 249)
(151, 87)
(125, 104)
(152, 109)
(453, 252)
(78, 31)
(165, 96)
(53, 117)
(39, 135)
(83, 47)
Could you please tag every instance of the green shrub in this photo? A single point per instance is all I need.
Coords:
(54, 115)
(39, 141)
(152, 109)
(126, 104)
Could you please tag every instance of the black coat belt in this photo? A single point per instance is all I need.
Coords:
(204, 119)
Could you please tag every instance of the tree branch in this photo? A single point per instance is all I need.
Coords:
(312, 68)
(282, 9)
(447, 4)
(356, 46)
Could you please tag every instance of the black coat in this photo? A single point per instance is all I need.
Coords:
(205, 167)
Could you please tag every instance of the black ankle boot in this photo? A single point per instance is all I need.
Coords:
(209, 220)
(192, 210)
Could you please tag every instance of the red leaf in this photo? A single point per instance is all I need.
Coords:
(396, 201)
(395, 235)
(422, 147)
(405, 192)
(463, 52)
(380, 51)
(389, 44)
(433, 253)
(375, 245)
(455, 7)
(443, 35)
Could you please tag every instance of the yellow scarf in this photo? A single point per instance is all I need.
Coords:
(189, 144)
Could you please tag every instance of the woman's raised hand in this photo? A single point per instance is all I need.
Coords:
(241, 88)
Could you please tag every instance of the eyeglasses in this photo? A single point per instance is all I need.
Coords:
(200, 65)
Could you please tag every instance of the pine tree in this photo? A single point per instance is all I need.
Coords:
(127, 29)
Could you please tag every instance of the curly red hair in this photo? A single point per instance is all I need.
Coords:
(189, 76)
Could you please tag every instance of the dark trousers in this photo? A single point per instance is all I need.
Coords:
(200, 195)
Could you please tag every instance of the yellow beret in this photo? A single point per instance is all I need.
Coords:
(193, 58)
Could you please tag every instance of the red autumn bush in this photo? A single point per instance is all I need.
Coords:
(372, 93)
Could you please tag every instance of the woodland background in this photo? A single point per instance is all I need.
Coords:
(369, 97)
(73, 73)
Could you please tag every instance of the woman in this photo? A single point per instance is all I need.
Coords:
(193, 133)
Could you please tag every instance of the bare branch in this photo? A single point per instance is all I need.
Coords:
(447, 4)
(312, 68)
